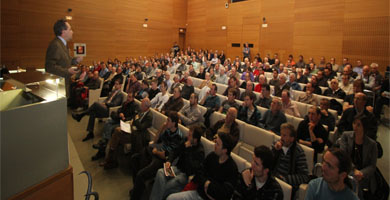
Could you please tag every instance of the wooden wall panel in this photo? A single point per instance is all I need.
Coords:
(334, 28)
(109, 28)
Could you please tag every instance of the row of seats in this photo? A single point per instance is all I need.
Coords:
(250, 137)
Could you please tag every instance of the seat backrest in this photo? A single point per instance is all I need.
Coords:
(208, 145)
(158, 119)
(184, 130)
(196, 81)
(241, 127)
(296, 121)
(262, 110)
(216, 116)
(309, 154)
(256, 136)
(222, 98)
(221, 88)
(302, 108)
(240, 162)
(287, 189)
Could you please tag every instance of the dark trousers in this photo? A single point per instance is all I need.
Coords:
(145, 166)
(379, 105)
(96, 110)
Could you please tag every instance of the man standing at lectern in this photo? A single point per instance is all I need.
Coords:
(58, 60)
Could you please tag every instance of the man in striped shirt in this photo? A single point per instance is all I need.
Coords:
(290, 161)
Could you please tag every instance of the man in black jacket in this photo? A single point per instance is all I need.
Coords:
(257, 182)
(190, 156)
(115, 98)
(126, 112)
(217, 178)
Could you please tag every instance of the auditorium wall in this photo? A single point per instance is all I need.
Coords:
(356, 29)
(339, 28)
(109, 28)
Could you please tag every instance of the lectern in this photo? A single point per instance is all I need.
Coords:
(33, 137)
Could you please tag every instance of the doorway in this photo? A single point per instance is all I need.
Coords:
(182, 38)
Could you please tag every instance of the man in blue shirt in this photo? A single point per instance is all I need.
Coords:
(336, 165)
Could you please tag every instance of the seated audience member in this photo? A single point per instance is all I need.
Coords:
(230, 102)
(363, 152)
(206, 82)
(311, 132)
(262, 82)
(205, 86)
(227, 125)
(104, 72)
(167, 79)
(378, 77)
(273, 117)
(233, 83)
(233, 73)
(132, 84)
(211, 100)
(218, 176)
(257, 181)
(358, 86)
(265, 98)
(275, 80)
(138, 138)
(248, 112)
(281, 85)
(92, 83)
(334, 90)
(301, 63)
(115, 98)
(345, 85)
(191, 71)
(190, 155)
(146, 164)
(358, 109)
(328, 73)
(293, 82)
(176, 83)
(154, 90)
(212, 74)
(314, 84)
(290, 162)
(138, 73)
(383, 99)
(321, 80)
(191, 114)
(247, 78)
(107, 81)
(326, 117)
(289, 107)
(248, 90)
(161, 98)
(336, 165)
(202, 73)
(126, 112)
(301, 78)
(222, 77)
(187, 89)
(308, 97)
(144, 91)
(174, 103)
(116, 75)
(367, 78)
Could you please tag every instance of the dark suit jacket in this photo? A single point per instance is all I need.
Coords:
(116, 100)
(141, 137)
(370, 153)
(58, 59)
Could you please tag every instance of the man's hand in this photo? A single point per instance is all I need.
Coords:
(358, 175)
(247, 175)
(79, 59)
(324, 112)
(278, 145)
(370, 109)
(122, 116)
(167, 164)
(154, 151)
(72, 71)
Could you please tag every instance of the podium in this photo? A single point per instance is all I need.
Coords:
(33, 137)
